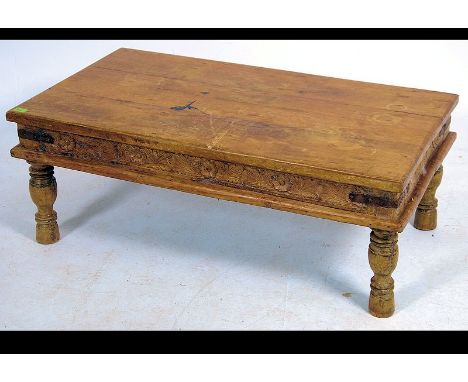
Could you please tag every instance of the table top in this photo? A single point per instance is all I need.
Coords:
(335, 129)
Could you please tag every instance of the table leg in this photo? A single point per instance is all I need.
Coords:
(43, 190)
(426, 213)
(383, 257)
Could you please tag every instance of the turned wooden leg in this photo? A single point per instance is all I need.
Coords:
(426, 213)
(43, 190)
(383, 257)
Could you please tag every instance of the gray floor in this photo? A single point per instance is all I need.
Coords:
(139, 257)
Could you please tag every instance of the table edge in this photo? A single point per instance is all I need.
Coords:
(210, 153)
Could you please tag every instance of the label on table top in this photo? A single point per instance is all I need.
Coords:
(20, 109)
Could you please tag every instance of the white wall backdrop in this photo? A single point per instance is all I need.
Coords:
(138, 257)
(30, 66)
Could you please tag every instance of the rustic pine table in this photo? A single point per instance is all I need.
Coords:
(349, 151)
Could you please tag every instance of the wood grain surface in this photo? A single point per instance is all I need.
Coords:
(339, 130)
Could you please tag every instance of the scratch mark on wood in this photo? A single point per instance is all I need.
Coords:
(185, 107)
(218, 138)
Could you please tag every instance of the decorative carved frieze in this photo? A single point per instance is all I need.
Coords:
(215, 172)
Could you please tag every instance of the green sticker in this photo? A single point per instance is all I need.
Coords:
(20, 109)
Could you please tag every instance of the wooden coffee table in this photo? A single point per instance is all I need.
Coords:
(343, 150)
